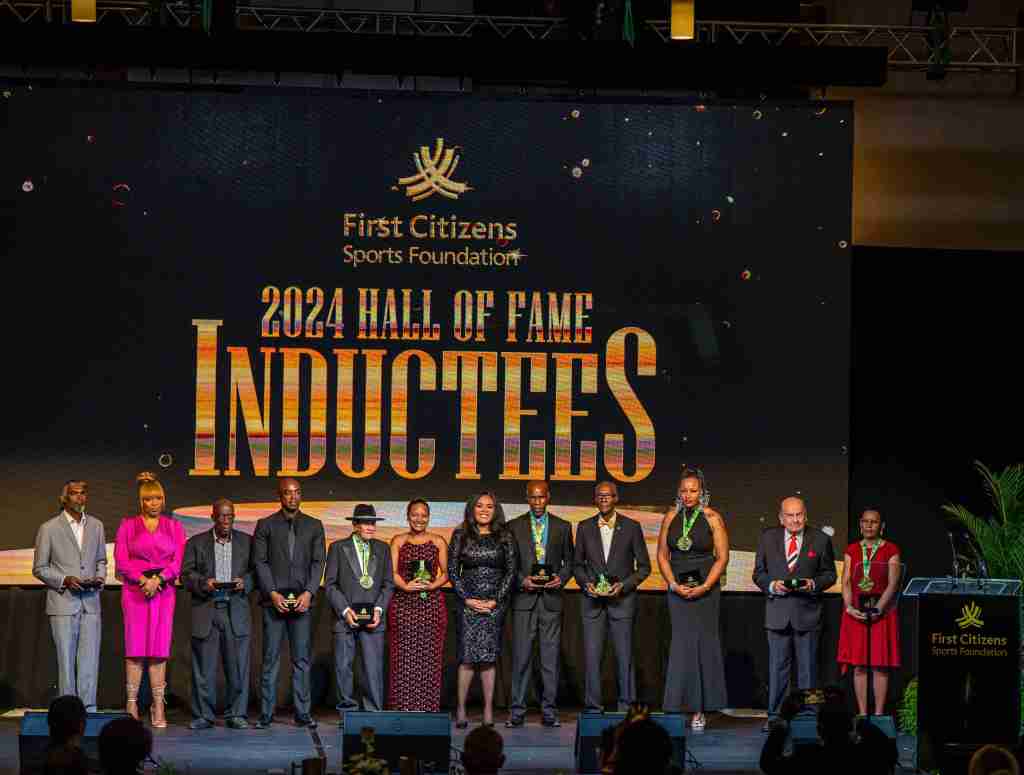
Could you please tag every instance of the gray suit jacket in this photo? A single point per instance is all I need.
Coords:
(57, 555)
(342, 580)
(200, 565)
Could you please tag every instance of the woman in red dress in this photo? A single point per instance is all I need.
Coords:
(871, 569)
(417, 617)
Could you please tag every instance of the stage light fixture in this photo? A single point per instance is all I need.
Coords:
(83, 10)
(683, 22)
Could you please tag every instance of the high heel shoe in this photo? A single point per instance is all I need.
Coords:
(131, 706)
(698, 721)
(156, 711)
(461, 724)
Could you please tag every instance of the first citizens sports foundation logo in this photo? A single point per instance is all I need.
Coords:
(441, 239)
(965, 643)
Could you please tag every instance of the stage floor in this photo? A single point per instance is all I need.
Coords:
(728, 745)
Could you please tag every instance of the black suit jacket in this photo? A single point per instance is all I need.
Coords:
(816, 561)
(199, 565)
(274, 571)
(627, 559)
(558, 553)
(342, 580)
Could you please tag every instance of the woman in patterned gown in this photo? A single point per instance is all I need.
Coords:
(417, 617)
(482, 568)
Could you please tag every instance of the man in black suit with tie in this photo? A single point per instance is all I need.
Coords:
(359, 576)
(216, 571)
(545, 541)
(288, 549)
(794, 566)
(611, 561)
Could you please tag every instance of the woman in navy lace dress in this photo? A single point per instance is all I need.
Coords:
(481, 567)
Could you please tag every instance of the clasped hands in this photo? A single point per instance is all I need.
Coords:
(778, 587)
(301, 604)
(481, 606)
(211, 585)
(75, 584)
(531, 586)
(688, 593)
(150, 585)
(615, 591)
(350, 619)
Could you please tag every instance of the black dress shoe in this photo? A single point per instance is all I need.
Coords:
(263, 723)
(236, 722)
(305, 721)
(200, 723)
(489, 724)
(515, 721)
(551, 721)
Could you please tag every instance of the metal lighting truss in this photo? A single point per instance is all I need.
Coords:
(914, 48)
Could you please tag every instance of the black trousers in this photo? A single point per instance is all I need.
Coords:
(233, 651)
(298, 627)
(537, 622)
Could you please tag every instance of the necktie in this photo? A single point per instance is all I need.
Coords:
(792, 554)
(291, 539)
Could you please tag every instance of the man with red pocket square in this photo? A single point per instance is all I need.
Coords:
(795, 564)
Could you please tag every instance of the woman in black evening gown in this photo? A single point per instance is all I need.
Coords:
(693, 551)
(482, 568)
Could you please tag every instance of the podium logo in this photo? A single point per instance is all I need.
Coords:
(434, 173)
(971, 617)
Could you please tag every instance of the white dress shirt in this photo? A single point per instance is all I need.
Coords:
(607, 533)
(77, 527)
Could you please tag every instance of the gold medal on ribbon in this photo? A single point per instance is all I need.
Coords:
(684, 543)
(866, 584)
(867, 553)
(366, 581)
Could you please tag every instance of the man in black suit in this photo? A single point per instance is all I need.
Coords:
(288, 550)
(216, 571)
(794, 566)
(542, 539)
(611, 561)
(359, 576)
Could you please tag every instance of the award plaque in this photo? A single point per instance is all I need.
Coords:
(690, 578)
(421, 570)
(794, 584)
(151, 572)
(541, 573)
(868, 604)
(90, 583)
(224, 586)
(291, 598)
(363, 613)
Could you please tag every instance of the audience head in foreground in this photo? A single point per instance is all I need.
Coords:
(483, 752)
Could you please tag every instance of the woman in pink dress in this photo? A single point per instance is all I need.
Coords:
(147, 556)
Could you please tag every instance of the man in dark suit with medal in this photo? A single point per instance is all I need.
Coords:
(545, 550)
(216, 571)
(794, 565)
(610, 562)
(360, 583)
(288, 550)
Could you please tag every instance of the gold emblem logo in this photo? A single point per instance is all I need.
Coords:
(434, 173)
(971, 617)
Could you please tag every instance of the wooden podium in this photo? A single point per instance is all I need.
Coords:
(968, 690)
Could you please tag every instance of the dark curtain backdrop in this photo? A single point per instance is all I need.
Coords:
(28, 673)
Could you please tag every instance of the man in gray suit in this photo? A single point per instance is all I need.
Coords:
(360, 581)
(611, 561)
(216, 571)
(71, 559)
(544, 541)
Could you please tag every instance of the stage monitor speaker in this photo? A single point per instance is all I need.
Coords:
(34, 739)
(884, 723)
(425, 736)
(803, 728)
(589, 727)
